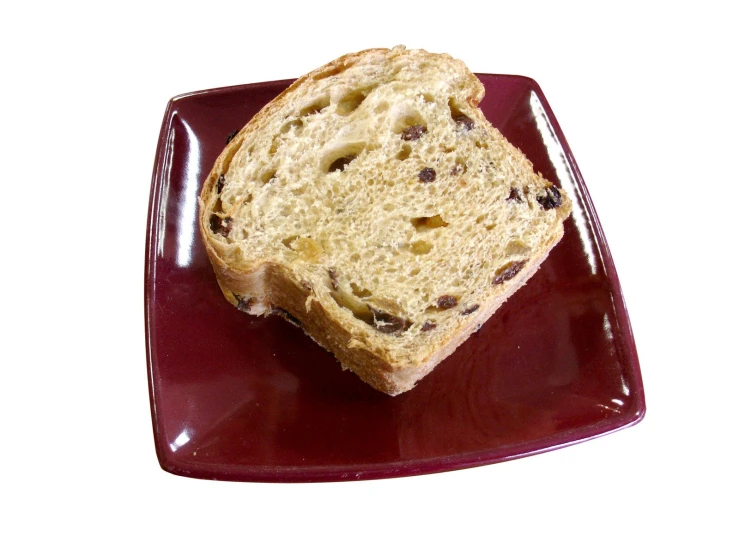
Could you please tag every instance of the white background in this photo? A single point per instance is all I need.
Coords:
(646, 96)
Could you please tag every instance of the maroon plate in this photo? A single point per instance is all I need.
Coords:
(237, 397)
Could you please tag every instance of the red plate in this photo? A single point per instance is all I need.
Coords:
(236, 397)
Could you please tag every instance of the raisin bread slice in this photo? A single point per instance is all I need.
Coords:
(374, 205)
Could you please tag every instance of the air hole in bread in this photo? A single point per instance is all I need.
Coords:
(316, 106)
(307, 248)
(415, 271)
(288, 241)
(460, 118)
(428, 223)
(359, 291)
(335, 191)
(404, 153)
(381, 107)
(388, 207)
(459, 168)
(516, 248)
(407, 118)
(331, 71)
(337, 159)
(428, 98)
(351, 101)
(421, 247)
(358, 308)
(454, 108)
(340, 163)
(267, 176)
(295, 125)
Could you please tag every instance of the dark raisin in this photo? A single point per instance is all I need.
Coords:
(550, 198)
(413, 132)
(341, 163)
(508, 272)
(388, 323)
(215, 223)
(221, 183)
(334, 276)
(244, 304)
(515, 195)
(231, 136)
(428, 326)
(287, 316)
(446, 301)
(427, 175)
(470, 309)
(226, 226)
(465, 121)
(220, 226)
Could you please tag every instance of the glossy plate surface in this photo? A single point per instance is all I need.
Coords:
(236, 397)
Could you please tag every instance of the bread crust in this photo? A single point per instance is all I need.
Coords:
(262, 286)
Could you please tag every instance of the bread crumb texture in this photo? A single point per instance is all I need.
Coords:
(377, 187)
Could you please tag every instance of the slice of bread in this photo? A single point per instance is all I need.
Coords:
(373, 204)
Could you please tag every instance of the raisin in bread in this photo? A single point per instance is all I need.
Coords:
(374, 205)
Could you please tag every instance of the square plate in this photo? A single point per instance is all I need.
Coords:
(237, 397)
